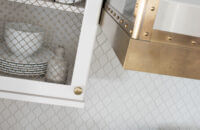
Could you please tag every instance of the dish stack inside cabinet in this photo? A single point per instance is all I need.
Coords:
(39, 39)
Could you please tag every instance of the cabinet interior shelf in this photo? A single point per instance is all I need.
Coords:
(79, 8)
(60, 25)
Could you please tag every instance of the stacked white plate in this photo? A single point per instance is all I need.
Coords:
(68, 1)
(18, 65)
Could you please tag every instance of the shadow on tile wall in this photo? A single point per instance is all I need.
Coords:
(116, 100)
(174, 127)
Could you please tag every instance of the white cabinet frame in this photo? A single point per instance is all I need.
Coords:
(57, 94)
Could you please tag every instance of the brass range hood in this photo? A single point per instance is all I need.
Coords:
(155, 40)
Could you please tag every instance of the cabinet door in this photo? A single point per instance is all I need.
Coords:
(46, 49)
(156, 36)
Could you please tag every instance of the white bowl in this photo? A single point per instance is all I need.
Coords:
(68, 1)
(23, 39)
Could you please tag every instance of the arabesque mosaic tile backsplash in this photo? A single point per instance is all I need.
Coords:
(115, 100)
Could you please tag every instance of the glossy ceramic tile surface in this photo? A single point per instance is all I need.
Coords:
(115, 100)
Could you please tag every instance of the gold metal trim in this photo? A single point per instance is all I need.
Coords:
(148, 20)
(78, 90)
(124, 23)
(175, 39)
(136, 8)
(163, 58)
(139, 17)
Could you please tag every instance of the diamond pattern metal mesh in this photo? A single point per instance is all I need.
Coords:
(32, 32)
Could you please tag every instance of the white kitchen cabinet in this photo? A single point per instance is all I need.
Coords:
(137, 29)
(79, 50)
